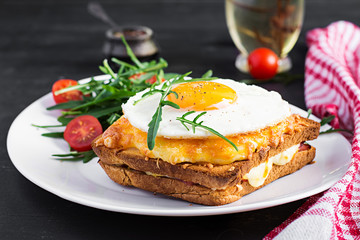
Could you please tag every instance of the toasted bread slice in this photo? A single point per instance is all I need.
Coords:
(197, 193)
(206, 174)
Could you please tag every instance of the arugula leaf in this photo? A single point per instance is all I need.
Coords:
(64, 120)
(208, 74)
(331, 130)
(47, 126)
(76, 156)
(165, 91)
(326, 120)
(131, 53)
(309, 113)
(154, 127)
(66, 105)
(113, 117)
(54, 134)
(108, 68)
(103, 98)
(171, 104)
(122, 63)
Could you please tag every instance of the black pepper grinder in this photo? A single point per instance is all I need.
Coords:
(139, 38)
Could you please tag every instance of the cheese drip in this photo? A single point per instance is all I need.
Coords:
(257, 175)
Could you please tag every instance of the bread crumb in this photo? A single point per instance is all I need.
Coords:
(231, 169)
(209, 165)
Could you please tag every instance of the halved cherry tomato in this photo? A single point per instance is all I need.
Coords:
(81, 131)
(263, 63)
(152, 80)
(67, 96)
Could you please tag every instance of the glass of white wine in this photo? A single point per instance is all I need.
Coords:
(274, 24)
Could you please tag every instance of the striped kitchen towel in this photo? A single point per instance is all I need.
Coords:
(332, 86)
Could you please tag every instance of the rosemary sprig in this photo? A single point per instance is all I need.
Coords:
(331, 130)
(327, 120)
(196, 124)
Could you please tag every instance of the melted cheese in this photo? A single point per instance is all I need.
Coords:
(258, 175)
(285, 156)
(210, 149)
(155, 175)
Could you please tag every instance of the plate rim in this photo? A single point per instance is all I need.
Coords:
(204, 211)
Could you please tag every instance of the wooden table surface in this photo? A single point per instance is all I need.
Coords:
(42, 41)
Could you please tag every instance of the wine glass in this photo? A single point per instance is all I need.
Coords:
(274, 24)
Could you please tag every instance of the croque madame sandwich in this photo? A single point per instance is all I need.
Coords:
(216, 141)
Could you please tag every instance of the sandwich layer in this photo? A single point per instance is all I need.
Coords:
(122, 135)
(197, 193)
(206, 174)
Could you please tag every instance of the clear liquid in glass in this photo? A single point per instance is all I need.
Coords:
(275, 24)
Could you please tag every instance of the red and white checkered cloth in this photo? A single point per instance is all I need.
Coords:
(332, 86)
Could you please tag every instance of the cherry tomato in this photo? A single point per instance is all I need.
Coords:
(136, 76)
(67, 96)
(151, 80)
(263, 63)
(81, 131)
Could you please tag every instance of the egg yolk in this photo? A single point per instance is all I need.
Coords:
(202, 96)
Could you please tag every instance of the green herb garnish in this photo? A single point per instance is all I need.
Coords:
(165, 90)
(194, 124)
(327, 120)
(156, 118)
(103, 98)
(309, 113)
(76, 156)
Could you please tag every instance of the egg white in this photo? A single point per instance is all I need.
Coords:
(254, 108)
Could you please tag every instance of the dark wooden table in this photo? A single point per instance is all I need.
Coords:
(42, 41)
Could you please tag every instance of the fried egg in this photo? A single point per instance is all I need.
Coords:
(231, 108)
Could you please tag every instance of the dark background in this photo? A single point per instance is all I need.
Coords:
(42, 41)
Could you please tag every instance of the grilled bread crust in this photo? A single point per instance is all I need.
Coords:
(205, 174)
(198, 193)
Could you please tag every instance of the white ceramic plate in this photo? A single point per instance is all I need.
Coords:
(87, 184)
